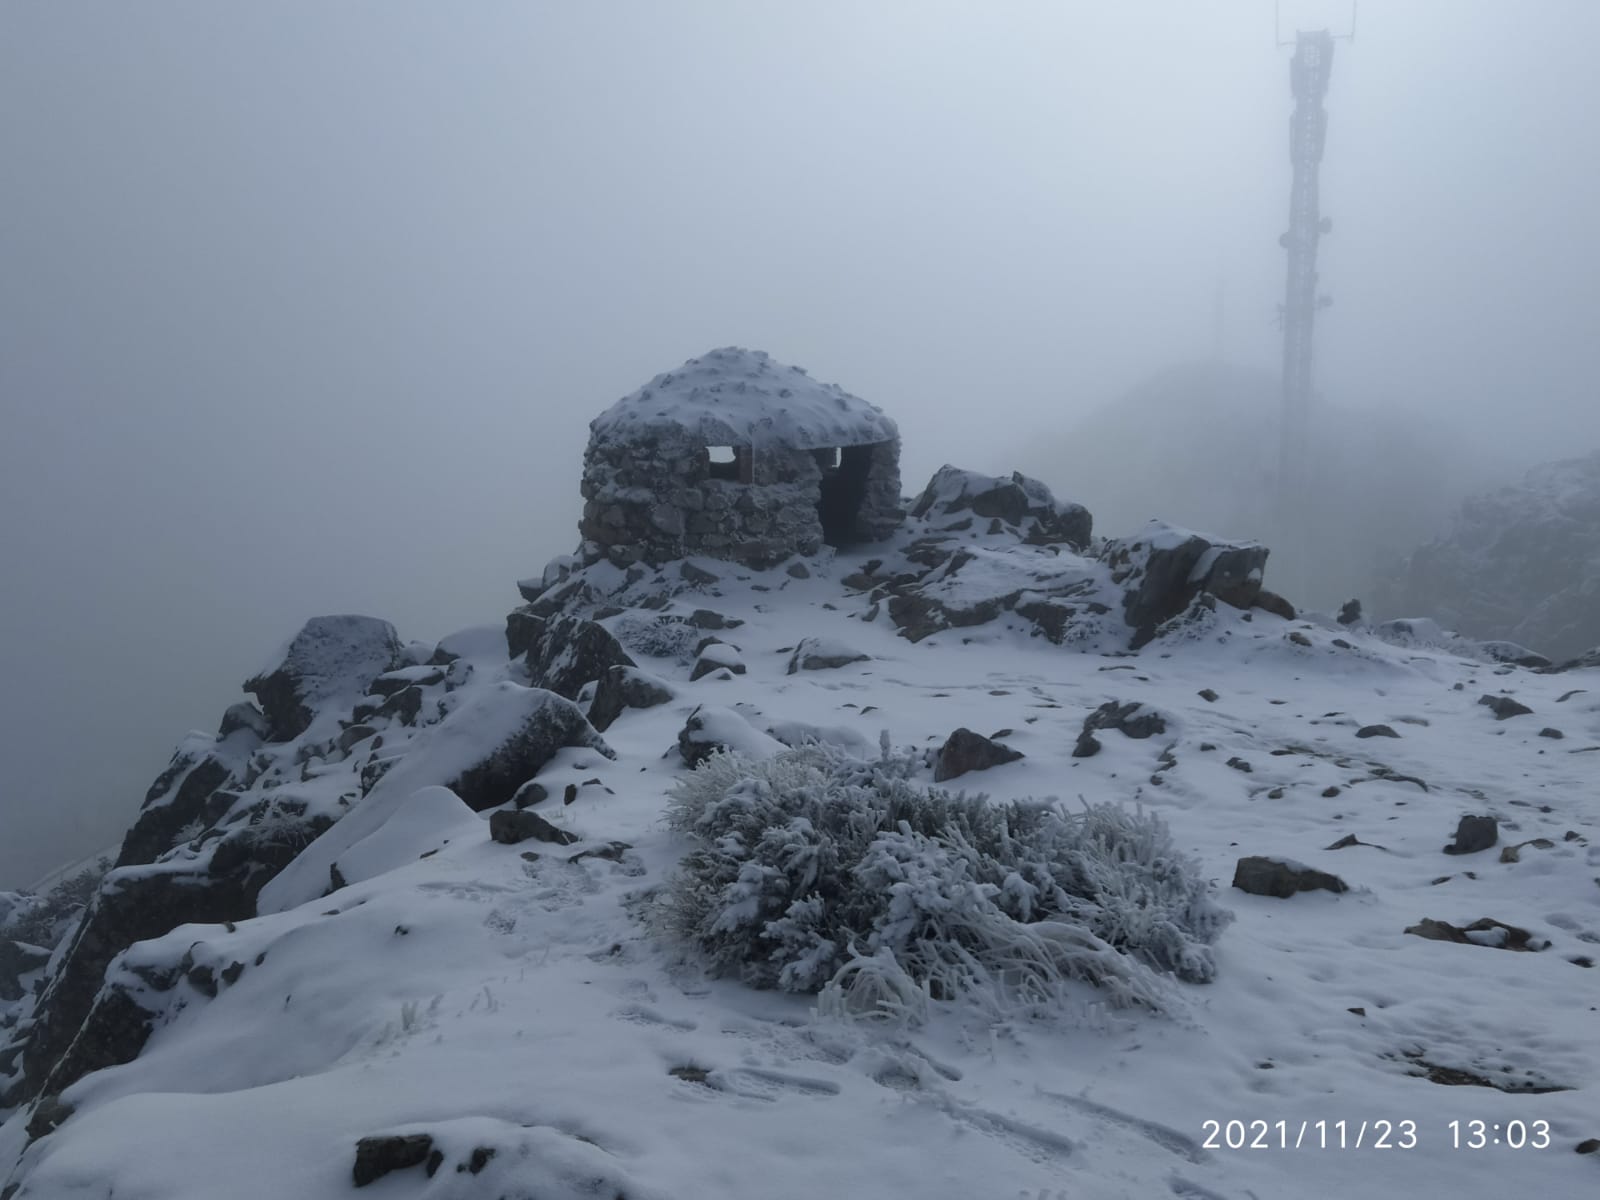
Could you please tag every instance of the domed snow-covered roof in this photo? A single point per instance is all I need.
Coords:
(738, 397)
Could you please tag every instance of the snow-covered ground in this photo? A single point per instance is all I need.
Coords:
(508, 998)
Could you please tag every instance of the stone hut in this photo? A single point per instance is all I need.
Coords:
(735, 456)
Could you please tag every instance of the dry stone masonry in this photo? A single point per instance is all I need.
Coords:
(736, 456)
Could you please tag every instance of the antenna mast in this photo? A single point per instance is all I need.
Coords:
(1309, 73)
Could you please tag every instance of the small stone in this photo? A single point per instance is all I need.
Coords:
(1588, 1146)
(965, 751)
(1209, 696)
(1504, 707)
(1275, 794)
(529, 794)
(509, 827)
(1299, 639)
(1262, 876)
(797, 571)
(1474, 833)
(1330, 792)
(377, 1156)
(1239, 764)
(1370, 731)
(1548, 732)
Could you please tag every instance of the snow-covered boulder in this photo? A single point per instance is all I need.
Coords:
(489, 746)
(331, 657)
(623, 688)
(569, 652)
(1026, 505)
(1163, 568)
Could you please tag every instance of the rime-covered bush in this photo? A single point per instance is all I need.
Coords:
(815, 872)
(657, 636)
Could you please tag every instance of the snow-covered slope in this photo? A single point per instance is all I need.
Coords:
(409, 977)
(1520, 563)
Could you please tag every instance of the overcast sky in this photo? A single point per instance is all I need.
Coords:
(304, 306)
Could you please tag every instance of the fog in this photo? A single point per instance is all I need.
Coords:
(304, 307)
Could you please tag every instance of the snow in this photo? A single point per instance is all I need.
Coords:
(492, 1001)
(738, 397)
(478, 725)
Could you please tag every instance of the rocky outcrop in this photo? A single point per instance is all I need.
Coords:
(1023, 506)
(1163, 569)
(16, 960)
(329, 657)
(570, 652)
(489, 773)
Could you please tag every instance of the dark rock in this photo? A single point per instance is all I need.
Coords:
(16, 960)
(1207, 695)
(611, 852)
(1473, 834)
(574, 652)
(1131, 719)
(1275, 604)
(1261, 876)
(1350, 612)
(1371, 731)
(712, 660)
(1299, 639)
(1330, 791)
(822, 654)
(797, 570)
(393, 682)
(244, 715)
(1087, 745)
(176, 799)
(48, 1114)
(1500, 935)
(550, 724)
(479, 1159)
(696, 742)
(329, 657)
(378, 1156)
(1588, 1146)
(519, 824)
(523, 631)
(704, 618)
(965, 751)
(695, 575)
(529, 794)
(1504, 707)
(623, 688)
(1164, 569)
(1239, 764)
(1548, 732)
(404, 706)
(353, 735)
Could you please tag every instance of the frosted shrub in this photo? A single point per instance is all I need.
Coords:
(656, 636)
(815, 872)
